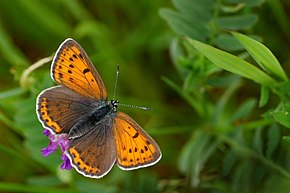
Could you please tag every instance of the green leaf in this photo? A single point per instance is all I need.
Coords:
(258, 141)
(247, 2)
(11, 93)
(39, 12)
(195, 9)
(222, 103)
(232, 63)
(9, 51)
(264, 98)
(240, 22)
(274, 137)
(222, 81)
(181, 25)
(281, 15)
(176, 52)
(244, 110)
(230, 161)
(228, 42)
(286, 138)
(194, 155)
(283, 117)
(283, 87)
(262, 55)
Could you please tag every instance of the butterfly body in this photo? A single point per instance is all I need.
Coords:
(102, 113)
(100, 136)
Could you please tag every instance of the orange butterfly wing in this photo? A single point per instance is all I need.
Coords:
(72, 68)
(135, 148)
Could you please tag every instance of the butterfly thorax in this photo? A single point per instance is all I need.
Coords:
(99, 114)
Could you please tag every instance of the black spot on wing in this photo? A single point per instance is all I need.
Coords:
(86, 70)
(136, 135)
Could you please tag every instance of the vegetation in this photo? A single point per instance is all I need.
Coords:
(215, 73)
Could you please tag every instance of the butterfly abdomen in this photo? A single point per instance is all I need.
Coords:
(85, 124)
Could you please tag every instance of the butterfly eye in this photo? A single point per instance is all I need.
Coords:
(115, 104)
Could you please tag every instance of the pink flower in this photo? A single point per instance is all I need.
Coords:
(55, 141)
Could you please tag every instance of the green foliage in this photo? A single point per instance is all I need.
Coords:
(235, 146)
(221, 114)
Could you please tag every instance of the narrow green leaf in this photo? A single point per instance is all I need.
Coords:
(258, 140)
(222, 81)
(274, 137)
(221, 104)
(232, 63)
(176, 52)
(263, 56)
(244, 110)
(39, 12)
(229, 162)
(9, 51)
(264, 98)
(11, 93)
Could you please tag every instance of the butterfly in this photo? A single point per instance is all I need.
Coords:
(99, 135)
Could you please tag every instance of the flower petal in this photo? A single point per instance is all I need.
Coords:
(46, 132)
(55, 141)
(52, 147)
(66, 162)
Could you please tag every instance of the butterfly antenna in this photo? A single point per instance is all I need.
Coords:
(137, 107)
(116, 81)
(115, 91)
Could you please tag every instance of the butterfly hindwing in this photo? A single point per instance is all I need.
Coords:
(94, 154)
(72, 68)
(135, 148)
(59, 108)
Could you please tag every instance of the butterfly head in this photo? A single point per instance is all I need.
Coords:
(115, 103)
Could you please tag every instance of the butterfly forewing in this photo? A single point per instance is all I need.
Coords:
(59, 108)
(135, 148)
(72, 68)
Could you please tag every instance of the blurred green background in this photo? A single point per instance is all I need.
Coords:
(212, 134)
